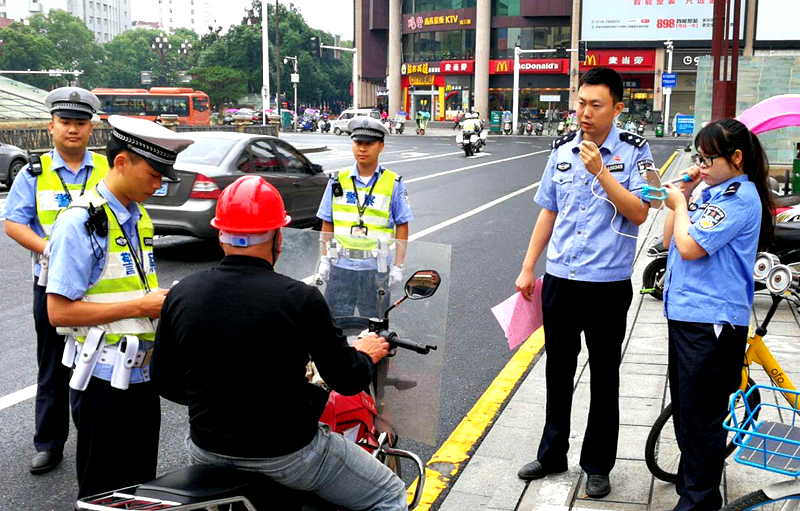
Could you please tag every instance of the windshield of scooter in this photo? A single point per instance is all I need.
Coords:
(507, 116)
(408, 385)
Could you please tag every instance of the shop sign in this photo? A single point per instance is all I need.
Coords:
(632, 83)
(421, 79)
(452, 19)
(687, 60)
(553, 98)
(448, 88)
(669, 80)
(622, 60)
(424, 68)
(529, 66)
(456, 67)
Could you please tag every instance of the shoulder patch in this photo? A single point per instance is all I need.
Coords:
(563, 140)
(632, 139)
(712, 217)
(732, 189)
(564, 165)
(645, 164)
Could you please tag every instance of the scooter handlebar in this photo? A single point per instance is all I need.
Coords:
(397, 342)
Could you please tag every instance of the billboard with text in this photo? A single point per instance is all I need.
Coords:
(776, 20)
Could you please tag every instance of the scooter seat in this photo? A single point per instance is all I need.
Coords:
(787, 235)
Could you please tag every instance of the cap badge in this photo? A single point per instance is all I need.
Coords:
(75, 96)
(365, 123)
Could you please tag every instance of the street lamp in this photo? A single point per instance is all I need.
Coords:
(162, 46)
(667, 90)
(185, 48)
(295, 79)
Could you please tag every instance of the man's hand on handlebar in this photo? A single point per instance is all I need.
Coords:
(376, 347)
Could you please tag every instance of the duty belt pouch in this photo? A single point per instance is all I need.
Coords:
(44, 263)
(126, 356)
(70, 349)
(382, 253)
(87, 359)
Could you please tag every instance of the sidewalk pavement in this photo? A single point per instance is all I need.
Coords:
(490, 482)
(310, 148)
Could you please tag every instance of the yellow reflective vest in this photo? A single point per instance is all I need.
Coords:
(376, 216)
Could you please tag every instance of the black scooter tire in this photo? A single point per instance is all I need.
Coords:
(652, 274)
(468, 151)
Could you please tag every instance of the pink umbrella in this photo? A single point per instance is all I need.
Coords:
(773, 113)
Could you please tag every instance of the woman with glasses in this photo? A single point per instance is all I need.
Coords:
(708, 295)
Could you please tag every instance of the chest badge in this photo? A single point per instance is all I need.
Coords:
(564, 166)
(121, 241)
(616, 167)
(617, 158)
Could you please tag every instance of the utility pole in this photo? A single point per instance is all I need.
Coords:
(265, 63)
(354, 51)
(278, 60)
(295, 78)
(723, 103)
(667, 90)
(517, 53)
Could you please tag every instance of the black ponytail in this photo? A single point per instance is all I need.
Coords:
(723, 138)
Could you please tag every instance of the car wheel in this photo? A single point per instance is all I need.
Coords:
(13, 170)
(337, 131)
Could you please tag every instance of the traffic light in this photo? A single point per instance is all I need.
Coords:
(561, 52)
(316, 47)
(582, 49)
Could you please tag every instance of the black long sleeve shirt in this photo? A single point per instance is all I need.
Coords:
(233, 343)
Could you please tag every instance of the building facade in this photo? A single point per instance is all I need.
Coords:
(105, 18)
(195, 15)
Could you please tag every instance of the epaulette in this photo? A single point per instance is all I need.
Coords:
(732, 188)
(633, 139)
(398, 178)
(334, 175)
(563, 140)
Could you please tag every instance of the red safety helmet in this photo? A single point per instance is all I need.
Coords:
(250, 205)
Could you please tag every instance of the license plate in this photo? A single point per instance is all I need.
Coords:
(161, 191)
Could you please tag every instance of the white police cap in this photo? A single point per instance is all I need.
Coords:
(366, 129)
(155, 143)
(72, 103)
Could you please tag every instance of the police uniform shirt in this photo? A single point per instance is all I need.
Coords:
(583, 246)
(74, 267)
(717, 288)
(20, 204)
(399, 213)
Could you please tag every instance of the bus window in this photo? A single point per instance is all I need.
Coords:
(200, 104)
(152, 106)
(107, 104)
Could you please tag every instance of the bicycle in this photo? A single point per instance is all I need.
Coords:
(662, 455)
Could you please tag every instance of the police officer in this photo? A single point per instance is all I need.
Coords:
(364, 206)
(588, 223)
(708, 296)
(39, 192)
(102, 290)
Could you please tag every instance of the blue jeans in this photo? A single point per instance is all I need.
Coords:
(330, 466)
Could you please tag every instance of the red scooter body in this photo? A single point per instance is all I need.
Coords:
(346, 413)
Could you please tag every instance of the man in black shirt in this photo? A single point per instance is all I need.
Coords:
(233, 343)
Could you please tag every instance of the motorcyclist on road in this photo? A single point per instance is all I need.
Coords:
(242, 329)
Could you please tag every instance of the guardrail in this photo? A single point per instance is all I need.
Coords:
(38, 139)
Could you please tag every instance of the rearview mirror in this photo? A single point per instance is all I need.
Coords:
(422, 284)
(316, 168)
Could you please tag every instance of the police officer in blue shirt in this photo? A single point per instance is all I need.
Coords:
(708, 296)
(102, 289)
(588, 223)
(39, 191)
(364, 206)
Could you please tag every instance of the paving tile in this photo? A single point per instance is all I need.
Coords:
(630, 483)
(522, 415)
(638, 411)
(487, 476)
(597, 505)
(643, 368)
(510, 443)
(460, 501)
(551, 493)
(650, 316)
(648, 357)
(642, 385)
(631, 442)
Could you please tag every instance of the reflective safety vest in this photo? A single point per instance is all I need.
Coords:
(470, 125)
(376, 213)
(50, 195)
(119, 280)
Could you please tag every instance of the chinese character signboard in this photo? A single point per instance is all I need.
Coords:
(669, 80)
(621, 60)
(650, 20)
(457, 67)
(529, 66)
(451, 19)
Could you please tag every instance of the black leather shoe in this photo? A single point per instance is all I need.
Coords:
(535, 470)
(597, 486)
(45, 461)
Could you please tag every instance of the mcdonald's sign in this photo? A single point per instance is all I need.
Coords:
(500, 67)
(591, 61)
(529, 66)
(621, 60)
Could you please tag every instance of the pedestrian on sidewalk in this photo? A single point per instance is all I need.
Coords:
(589, 223)
(708, 296)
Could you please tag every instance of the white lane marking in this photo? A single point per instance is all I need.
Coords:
(422, 178)
(17, 397)
(2, 206)
(412, 154)
(479, 155)
(470, 213)
(421, 158)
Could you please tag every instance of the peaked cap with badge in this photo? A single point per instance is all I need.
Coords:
(367, 129)
(72, 103)
(158, 145)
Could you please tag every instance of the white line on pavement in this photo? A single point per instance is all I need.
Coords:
(17, 397)
(420, 158)
(422, 178)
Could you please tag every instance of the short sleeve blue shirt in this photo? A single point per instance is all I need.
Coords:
(399, 213)
(583, 245)
(718, 287)
(20, 204)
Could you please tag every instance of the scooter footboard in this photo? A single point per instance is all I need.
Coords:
(389, 451)
(124, 500)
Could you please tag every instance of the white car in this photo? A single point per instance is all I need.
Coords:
(339, 126)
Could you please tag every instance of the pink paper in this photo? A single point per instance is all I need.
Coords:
(519, 317)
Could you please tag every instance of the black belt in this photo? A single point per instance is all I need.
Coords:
(355, 254)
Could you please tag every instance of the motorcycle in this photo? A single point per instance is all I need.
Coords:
(472, 140)
(388, 125)
(306, 122)
(640, 128)
(573, 127)
(561, 128)
(528, 127)
(325, 123)
(403, 399)
(630, 126)
(422, 124)
(508, 126)
(539, 128)
(399, 122)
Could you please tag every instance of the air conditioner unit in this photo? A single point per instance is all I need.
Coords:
(34, 7)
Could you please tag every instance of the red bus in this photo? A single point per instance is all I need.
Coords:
(191, 106)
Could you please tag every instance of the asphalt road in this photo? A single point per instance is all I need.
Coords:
(487, 250)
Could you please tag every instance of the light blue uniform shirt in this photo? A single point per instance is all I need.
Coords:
(74, 265)
(583, 246)
(399, 213)
(20, 204)
(717, 288)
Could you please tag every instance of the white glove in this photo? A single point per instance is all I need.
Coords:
(395, 275)
(324, 273)
(46, 251)
(44, 263)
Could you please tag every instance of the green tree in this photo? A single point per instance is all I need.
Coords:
(24, 49)
(131, 52)
(222, 84)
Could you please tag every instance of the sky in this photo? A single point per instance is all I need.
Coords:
(336, 17)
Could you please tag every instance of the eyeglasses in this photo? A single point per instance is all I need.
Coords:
(705, 161)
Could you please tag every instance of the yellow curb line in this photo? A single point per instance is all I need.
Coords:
(666, 165)
(447, 461)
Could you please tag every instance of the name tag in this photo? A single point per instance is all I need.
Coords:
(616, 167)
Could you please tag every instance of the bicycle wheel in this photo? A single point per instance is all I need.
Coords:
(759, 500)
(661, 453)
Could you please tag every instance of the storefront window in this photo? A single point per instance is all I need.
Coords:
(529, 38)
(505, 7)
(530, 102)
(410, 6)
(443, 45)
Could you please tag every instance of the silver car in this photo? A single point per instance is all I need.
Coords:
(215, 160)
(12, 159)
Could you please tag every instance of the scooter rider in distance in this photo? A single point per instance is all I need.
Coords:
(243, 325)
(363, 209)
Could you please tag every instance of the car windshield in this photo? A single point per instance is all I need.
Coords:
(206, 151)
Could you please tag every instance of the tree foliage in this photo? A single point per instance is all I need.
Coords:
(222, 84)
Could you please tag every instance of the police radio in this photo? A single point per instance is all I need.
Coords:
(98, 221)
(34, 164)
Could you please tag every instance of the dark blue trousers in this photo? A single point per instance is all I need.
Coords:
(350, 289)
(703, 372)
(599, 310)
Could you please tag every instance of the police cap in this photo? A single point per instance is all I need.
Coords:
(72, 103)
(156, 144)
(367, 129)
